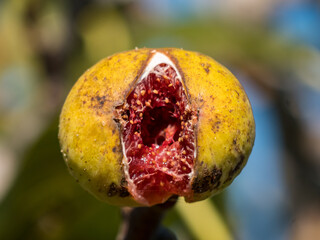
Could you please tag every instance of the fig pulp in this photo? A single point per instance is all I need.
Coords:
(158, 137)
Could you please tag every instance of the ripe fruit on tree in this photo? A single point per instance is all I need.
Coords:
(143, 125)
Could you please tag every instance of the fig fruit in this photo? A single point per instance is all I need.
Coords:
(144, 125)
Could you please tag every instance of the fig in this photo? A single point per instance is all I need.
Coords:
(147, 124)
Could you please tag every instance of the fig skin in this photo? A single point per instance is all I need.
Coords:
(90, 136)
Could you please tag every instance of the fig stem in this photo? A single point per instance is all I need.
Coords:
(144, 223)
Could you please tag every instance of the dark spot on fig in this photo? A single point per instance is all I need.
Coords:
(116, 120)
(113, 190)
(210, 181)
(113, 131)
(215, 125)
(236, 168)
(93, 73)
(123, 182)
(114, 149)
(84, 102)
(206, 67)
(222, 72)
(123, 192)
(236, 145)
(89, 180)
(201, 185)
(101, 100)
(234, 141)
(98, 101)
(215, 176)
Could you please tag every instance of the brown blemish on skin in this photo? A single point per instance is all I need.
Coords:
(114, 149)
(222, 72)
(206, 67)
(235, 144)
(211, 83)
(237, 93)
(234, 141)
(236, 168)
(100, 100)
(215, 124)
(123, 182)
(92, 74)
(123, 192)
(210, 181)
(244, 99)
(113, 190)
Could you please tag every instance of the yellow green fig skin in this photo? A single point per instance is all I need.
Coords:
(90, 137)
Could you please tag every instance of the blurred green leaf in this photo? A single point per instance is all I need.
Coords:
(204, 220)
(104, 32)
(46, 203)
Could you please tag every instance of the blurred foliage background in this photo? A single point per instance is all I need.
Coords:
(271, 46)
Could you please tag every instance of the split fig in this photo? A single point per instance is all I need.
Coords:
(143, 125)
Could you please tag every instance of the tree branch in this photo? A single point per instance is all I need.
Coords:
(144, 223)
